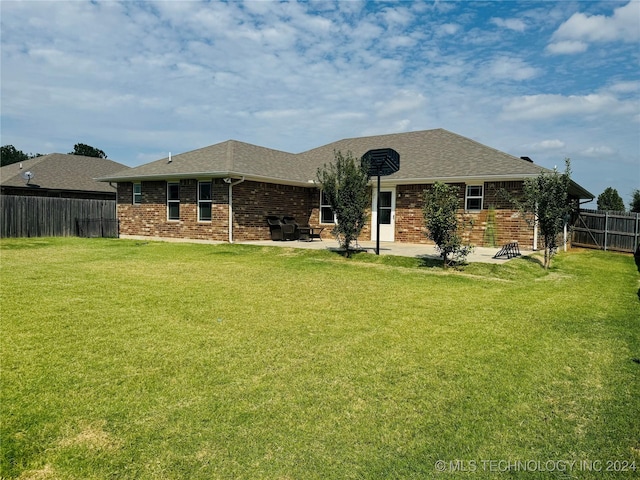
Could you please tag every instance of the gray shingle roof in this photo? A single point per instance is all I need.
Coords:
(432, 154)
(59, 171)
(223, 159)
(425, 155)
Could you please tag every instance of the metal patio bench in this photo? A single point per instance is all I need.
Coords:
(509, 250)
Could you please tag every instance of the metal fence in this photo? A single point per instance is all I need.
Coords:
(31, 216)
(618, 231)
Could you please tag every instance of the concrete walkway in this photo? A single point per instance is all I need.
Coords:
(479, 254)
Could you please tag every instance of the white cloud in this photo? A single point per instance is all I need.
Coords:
(544, 106)
(625, 87)
(567, 47)
(396, 16)
(510, 23)
(449, 28)
(511, 68)
(622, 25)
(554, 144)
(600, 151)
(402, 102)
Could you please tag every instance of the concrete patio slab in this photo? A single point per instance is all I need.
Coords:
(479, 254)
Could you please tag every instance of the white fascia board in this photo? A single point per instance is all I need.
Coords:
(469, 179)
(203, 175)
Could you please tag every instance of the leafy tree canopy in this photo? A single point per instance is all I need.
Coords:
(635, 201)
(10, 154)
(345, 184)
(610, 200)
(87, 151)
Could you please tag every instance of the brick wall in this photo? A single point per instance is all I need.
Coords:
(507, 224)
(149, 218)
(253, 201)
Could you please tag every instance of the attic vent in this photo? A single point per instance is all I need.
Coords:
(527, 159)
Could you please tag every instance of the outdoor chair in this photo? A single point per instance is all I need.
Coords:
(290, 230)
(275, 228)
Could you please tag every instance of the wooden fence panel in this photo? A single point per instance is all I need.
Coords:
(31, 216)
(606, 230)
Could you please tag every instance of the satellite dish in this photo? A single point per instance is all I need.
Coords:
(28, 175)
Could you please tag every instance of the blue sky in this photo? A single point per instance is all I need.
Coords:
(138, 80)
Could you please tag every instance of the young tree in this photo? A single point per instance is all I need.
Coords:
(610, 200)
(546, 198)
(635, 201)
(345, 184)
(87, 151)
(440, 215)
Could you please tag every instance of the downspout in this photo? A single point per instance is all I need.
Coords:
(231, 184)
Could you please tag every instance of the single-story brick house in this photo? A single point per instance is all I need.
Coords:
(226, 191)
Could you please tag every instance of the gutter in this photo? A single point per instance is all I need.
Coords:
(231, 184)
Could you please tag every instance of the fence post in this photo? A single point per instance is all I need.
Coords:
(606, 228)
(637, 234)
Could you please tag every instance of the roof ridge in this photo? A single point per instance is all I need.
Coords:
(476, 142)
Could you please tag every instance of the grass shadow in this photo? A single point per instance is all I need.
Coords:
(429, 261)
(23, 244)
(530, 259)
(352, 252)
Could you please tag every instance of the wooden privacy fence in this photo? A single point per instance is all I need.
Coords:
(606, 230)
(26, 216)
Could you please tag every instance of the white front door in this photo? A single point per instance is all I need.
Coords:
(387, 214)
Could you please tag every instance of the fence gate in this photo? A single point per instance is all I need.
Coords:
(618, 231)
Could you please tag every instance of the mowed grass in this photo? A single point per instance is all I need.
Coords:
(125, 359)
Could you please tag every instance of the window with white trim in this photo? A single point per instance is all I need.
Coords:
(204, 201)
(137, 193)
(473, 198)
(173, 200)
(326, 212)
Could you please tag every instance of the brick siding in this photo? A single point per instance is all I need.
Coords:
(509, 226)
(253, 201)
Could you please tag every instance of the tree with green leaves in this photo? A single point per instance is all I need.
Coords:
(610, 200)
(345, 184)
(87, 151)
(440, 211)
(546, 204)
(10, 154)
(634, 206)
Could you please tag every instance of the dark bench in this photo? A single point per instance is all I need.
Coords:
(508, 250)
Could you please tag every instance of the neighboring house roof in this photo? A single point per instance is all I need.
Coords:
(425, 156)
(58, 171)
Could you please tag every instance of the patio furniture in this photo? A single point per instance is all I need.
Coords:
(275, 228)
(290, 229)
(307, 233)
(508, 250)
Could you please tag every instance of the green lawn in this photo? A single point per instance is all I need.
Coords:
(125, 359)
